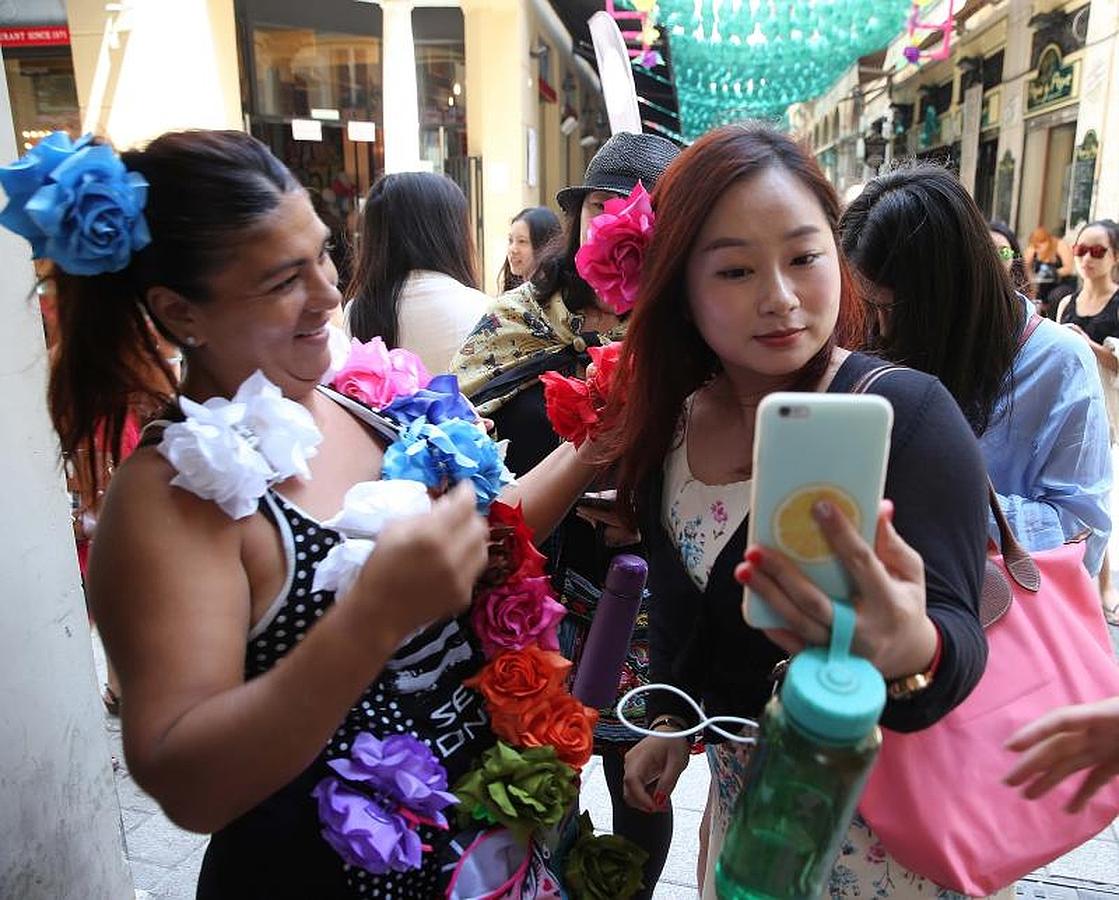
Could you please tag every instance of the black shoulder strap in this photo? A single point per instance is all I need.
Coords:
(384, 426)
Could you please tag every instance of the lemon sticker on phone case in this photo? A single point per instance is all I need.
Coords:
(797, 533)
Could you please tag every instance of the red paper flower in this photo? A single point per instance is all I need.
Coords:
(611, 258)
(568, 404)
(518, 554)
(575, 407)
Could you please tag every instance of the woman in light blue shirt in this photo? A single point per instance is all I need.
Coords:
(945, 305)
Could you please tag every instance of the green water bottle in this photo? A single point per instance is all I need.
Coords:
(819, 739)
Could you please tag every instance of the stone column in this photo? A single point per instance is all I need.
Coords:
(501, 106)
(60, 831)
(400, 95)
(969, 138)
(155, 66)
(1099, 103)
(1016, 66)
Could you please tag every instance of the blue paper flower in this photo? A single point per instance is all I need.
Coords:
(76, 204)
(439, 401)
(443, 455)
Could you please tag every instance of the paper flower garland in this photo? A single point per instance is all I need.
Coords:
(373, 802)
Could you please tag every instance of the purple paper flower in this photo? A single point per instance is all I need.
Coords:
(402, 769)
(439, 401)
(391, 787)
(363, 832)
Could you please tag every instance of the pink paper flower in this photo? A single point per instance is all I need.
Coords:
(376, 376)
(610, 260)
(517, 615)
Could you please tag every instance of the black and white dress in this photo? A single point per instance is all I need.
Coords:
(275, 850)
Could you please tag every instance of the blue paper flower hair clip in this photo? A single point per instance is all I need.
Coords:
(77, 204)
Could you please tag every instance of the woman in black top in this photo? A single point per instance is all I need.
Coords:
(744, 292)
(1093, 313)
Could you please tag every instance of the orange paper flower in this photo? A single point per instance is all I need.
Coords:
(565, 724)
(516, 682)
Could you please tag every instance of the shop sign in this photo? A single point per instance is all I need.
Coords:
(1054, 82)
(1083, 179)
(35, 36)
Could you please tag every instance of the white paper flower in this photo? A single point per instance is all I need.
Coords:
(370, 505)
(339, 569)
(230, 451)
(285, 431)
(338, 343)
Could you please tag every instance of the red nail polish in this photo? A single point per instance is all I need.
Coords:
(745, 573)
(754, 556)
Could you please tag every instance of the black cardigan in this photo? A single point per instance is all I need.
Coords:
(937, 481)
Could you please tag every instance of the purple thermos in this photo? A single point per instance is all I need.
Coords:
(600, 665)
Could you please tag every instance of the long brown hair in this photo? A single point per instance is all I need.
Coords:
(665, 358)
(204, 189)
(413, 221)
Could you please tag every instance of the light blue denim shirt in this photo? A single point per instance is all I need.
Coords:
(1047, 449)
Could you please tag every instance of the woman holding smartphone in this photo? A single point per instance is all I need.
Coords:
(745, 290)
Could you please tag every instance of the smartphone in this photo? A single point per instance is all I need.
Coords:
(811, 447)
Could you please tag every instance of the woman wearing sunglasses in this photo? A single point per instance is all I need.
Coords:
(1093, 313)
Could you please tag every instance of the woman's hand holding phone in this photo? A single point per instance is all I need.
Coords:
(892, 630)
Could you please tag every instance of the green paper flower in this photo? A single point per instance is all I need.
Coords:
(603, 867)
(520, 790)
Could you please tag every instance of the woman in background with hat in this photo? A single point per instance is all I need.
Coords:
(546, 325)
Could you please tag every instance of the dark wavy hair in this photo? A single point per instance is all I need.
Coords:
(917, 232)
(543, 229)
(664, 357)
(205, 188)
(556, 272)
(412, 220)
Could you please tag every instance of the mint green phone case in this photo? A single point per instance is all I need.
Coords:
(808, 447)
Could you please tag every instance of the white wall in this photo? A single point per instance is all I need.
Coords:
(60, 831)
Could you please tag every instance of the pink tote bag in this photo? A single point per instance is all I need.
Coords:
(935, 797)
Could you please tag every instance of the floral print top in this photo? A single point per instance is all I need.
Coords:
(701, 518)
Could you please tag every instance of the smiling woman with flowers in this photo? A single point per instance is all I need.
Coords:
(337, 528)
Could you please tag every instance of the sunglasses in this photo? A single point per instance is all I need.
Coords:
(1006, 254)
(1096, 251)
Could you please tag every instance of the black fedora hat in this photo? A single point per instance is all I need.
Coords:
(619, 164)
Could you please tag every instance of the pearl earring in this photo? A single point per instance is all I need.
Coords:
(191, 341)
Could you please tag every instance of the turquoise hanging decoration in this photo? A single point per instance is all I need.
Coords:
(737, 59)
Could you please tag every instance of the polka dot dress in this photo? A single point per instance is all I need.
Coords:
(420, 691)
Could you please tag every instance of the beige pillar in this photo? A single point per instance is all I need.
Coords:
(1099, 102)
(500, 108)
(60, 830)
(969, 138)
(400, 96)
(1016, 66)
(155, 66)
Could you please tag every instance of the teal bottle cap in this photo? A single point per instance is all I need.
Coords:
(831, 695)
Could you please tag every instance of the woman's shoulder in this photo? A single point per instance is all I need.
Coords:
(923, 407)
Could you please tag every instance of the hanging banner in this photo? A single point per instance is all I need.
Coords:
(35, 36)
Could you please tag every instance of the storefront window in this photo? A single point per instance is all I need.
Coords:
(321, 62)
(441, 83)
(43, 94)
(300, 70)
